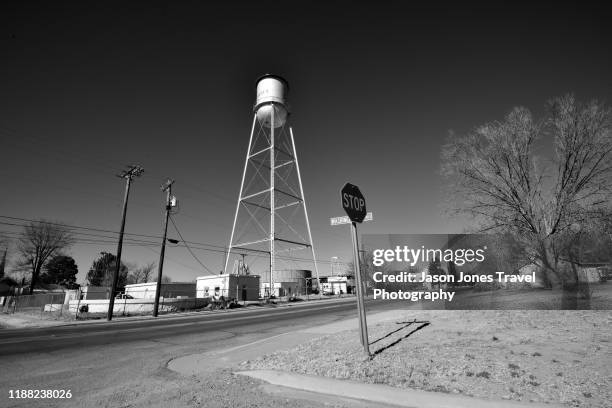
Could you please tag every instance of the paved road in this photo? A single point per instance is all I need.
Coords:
(86, 335)
(124, 363)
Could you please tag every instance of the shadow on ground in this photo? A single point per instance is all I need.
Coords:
(422, 324)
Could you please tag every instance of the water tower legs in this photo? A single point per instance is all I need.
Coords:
(270, 200)
(297, 167)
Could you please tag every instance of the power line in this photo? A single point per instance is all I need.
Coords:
(100, 230)
(127, 241)
(142, 243)
(76, 226)
(77, 234)
(194, 244)
(188, 248)
(77, 159)
(150, 248)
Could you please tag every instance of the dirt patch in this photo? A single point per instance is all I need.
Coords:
(540, 356)
(26, 320)
(223, 389)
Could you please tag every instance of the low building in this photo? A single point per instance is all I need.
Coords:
(266, 292)
(71, 294)
(230, 286)
(95, 292)
(167, 290)
(337, 285)
(49, 288)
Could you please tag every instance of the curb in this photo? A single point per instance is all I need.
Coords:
(380, 394)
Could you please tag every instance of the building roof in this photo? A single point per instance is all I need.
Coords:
(134, 285)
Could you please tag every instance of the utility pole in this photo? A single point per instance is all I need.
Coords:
(168, 189)
(128, 175)
(3, 262)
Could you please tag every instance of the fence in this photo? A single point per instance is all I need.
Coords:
(123, 306)
(140, 300)
(90, 304)
(43, 305)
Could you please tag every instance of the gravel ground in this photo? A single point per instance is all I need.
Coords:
(222, 389)
(135, 376)
(540, 356)
(23, 320)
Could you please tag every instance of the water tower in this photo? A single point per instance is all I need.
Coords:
(271, 216)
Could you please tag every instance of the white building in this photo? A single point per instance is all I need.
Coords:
(95, 292)
(230, 286)
(167, 290)
(336, 285)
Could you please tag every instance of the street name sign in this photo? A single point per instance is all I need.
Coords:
(346, 220)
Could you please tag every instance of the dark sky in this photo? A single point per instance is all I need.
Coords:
(87, 88)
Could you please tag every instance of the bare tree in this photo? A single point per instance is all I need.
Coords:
(4, 243)
(367, 269)
(497, 177)
(147, 271)
(141, 274)
(41, 240)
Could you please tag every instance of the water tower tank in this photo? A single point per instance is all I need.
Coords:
(271, 96)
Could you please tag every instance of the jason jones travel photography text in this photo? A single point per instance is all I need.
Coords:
(423, 256)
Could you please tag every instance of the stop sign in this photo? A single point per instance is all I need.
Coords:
(353, 202)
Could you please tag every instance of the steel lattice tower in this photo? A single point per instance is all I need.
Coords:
(271, 215)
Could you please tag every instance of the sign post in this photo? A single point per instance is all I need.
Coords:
(354, 205)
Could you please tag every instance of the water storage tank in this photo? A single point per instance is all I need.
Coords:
(271, 96)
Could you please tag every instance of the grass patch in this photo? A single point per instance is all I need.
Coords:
(483, 374)
(455, 354)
